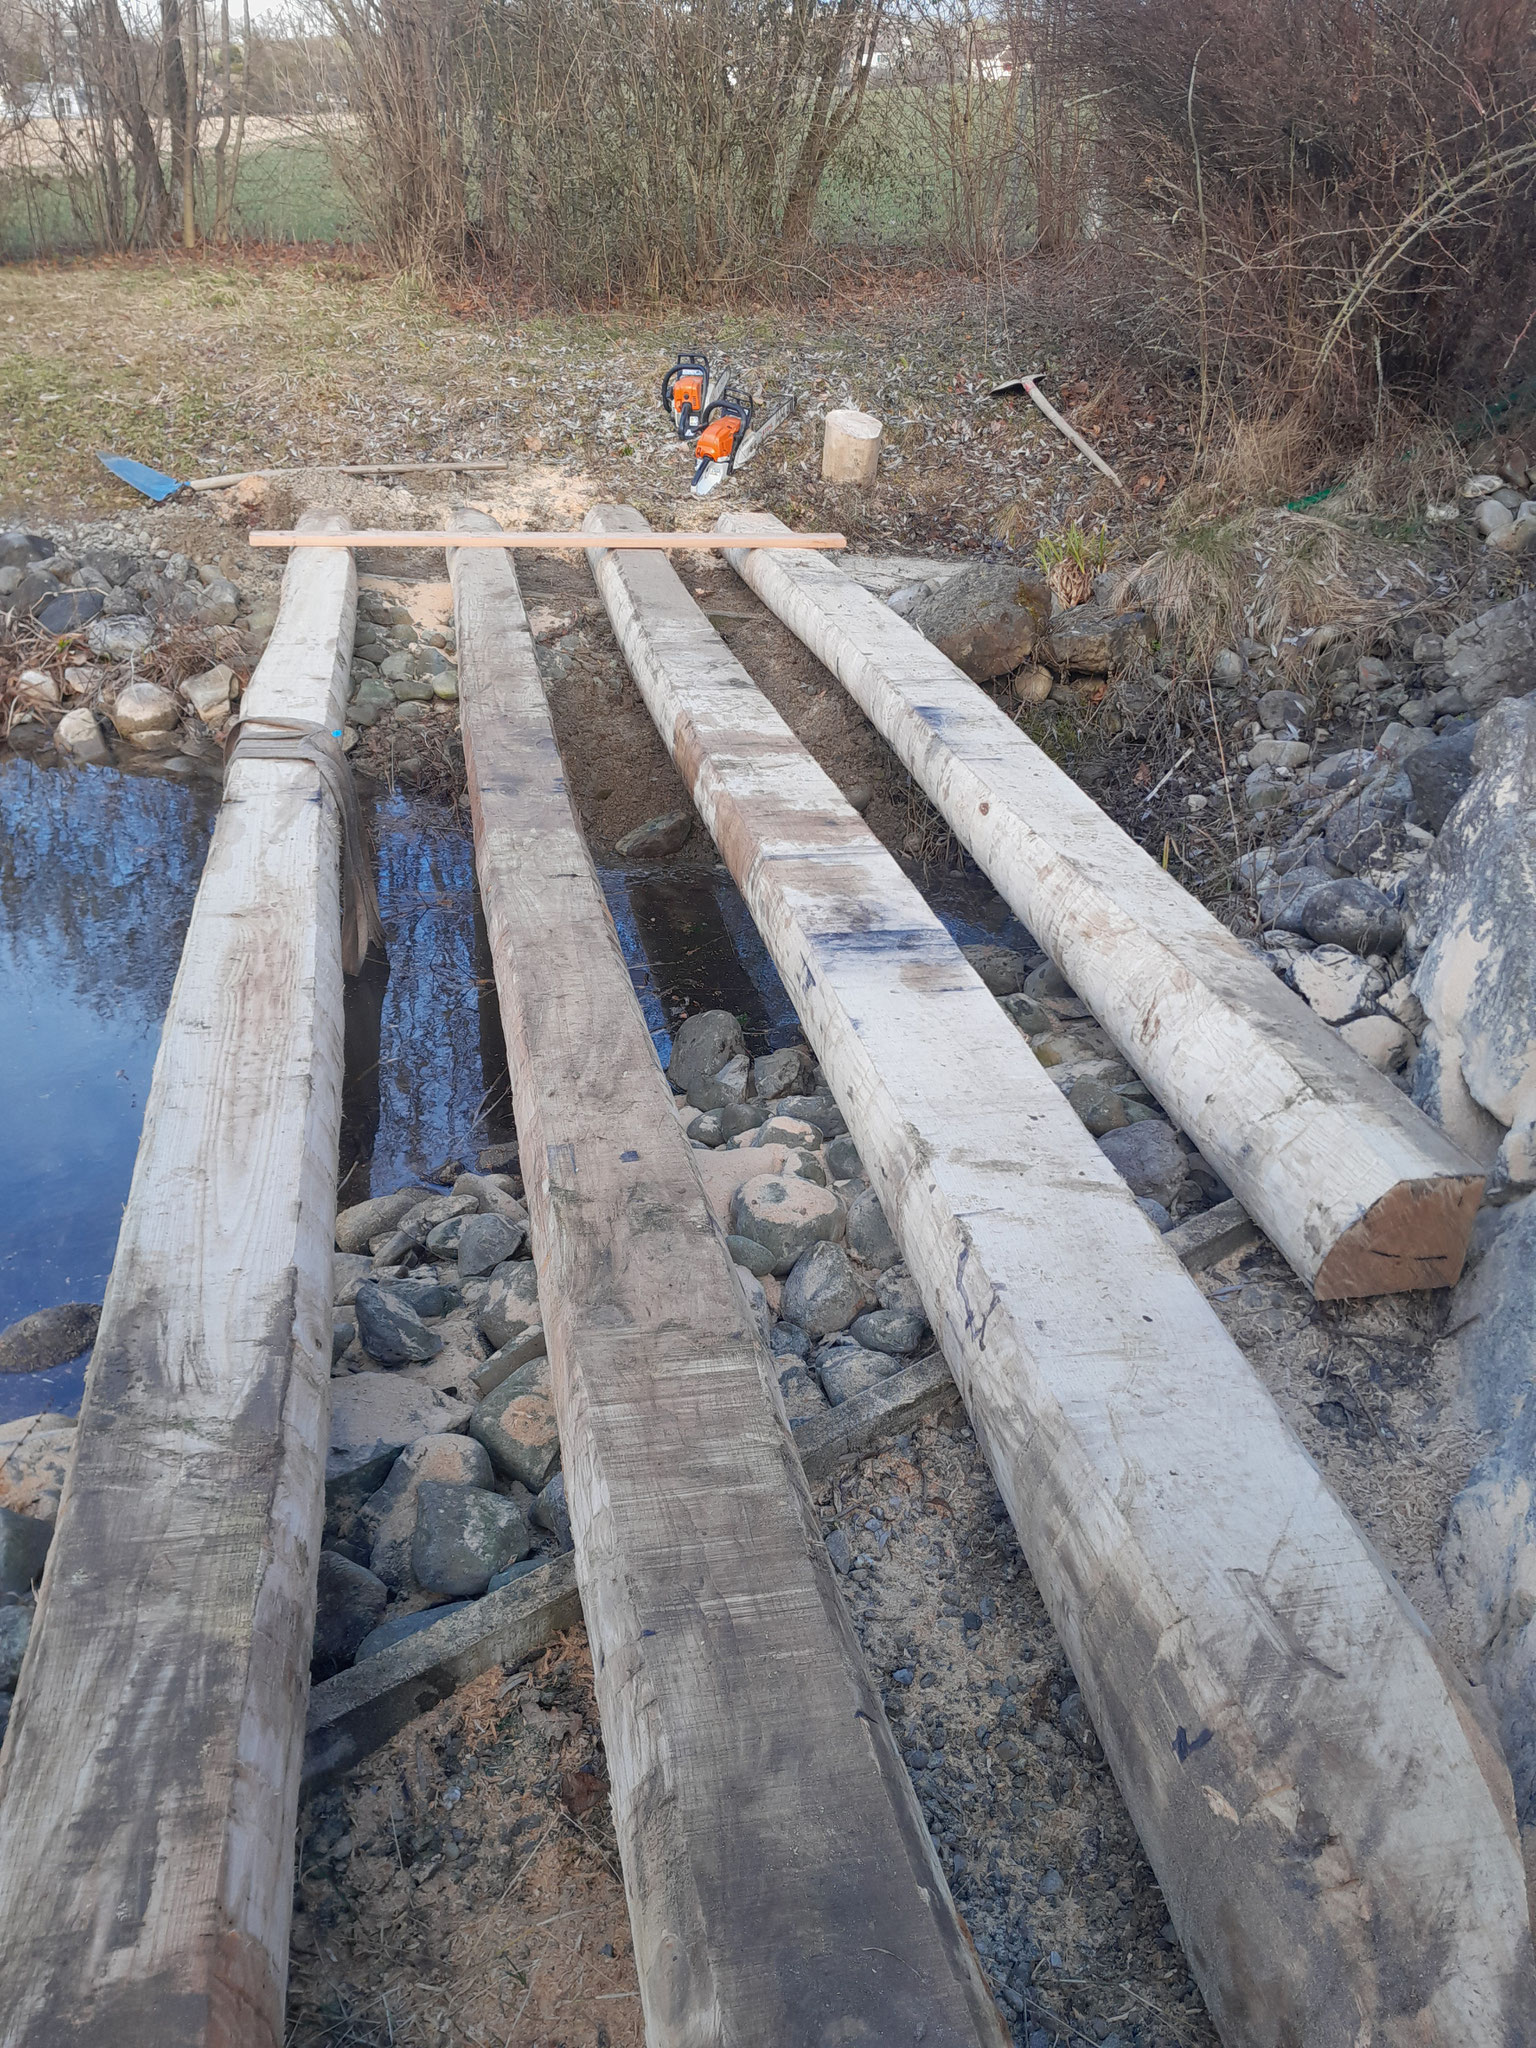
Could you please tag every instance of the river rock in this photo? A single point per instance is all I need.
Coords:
(987, 619)
(35, 1456)
(419, 1222)
(745, 1251)
(821, 1293)
(552, 1512)
(516, 1424)
(1098, 1105)
(819, 1110)
(1350, 913)
(50, 1336)
(366, 1220)
(1284, 711)
(20, 550)
(738, 1117)
(387, 1521)
(463, 1538)
(781, 1072)
(142, 709)
(33, 591)
(121, 638)
(374, 1414)
(1148, 1158)
(801, 1393)
(725, 1089)
(793, 1131)
(1475, 905)
(1440, 774)
(1381, 1041)
(869, 1235)
(24, 1544)
(701, 1045)
(1338, 985)
(896, 1288)
(900, 1331)
(1000, 967)
(486, 1242)
(756, 1299)
(349, 1605)
(401, 1627)
(79, 734)
(219, 604)
(210, 693)
(786, 1216)
(657, 837)
(15, 1628)
(70, 612)
(512, 1306)
(390, 1327)
(848, 1369)
(1368, 830)
(841, 1159)
(1090, 639)
(1494, 655)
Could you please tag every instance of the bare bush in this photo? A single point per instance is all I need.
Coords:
(1336, 199)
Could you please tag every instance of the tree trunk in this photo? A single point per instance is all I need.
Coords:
(173, 74)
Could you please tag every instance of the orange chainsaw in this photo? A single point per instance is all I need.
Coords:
(727, 439)
(686, 390)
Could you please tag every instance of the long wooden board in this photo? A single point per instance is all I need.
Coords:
(149, 1780)
(781, 1884)
(1359, 1190)
(571, 543)
(1332, 1829)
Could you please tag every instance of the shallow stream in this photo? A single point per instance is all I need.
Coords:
(98, 870)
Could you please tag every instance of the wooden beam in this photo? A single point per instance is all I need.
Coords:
(1332, 1830)
(1358, 1189)
(149, 1780)
(781, 1883)
(358, 1710)
(571, 543)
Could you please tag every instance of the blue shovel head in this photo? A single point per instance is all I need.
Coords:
(151, 482)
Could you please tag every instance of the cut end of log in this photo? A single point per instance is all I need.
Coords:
(850, 449)
(1416, 1236)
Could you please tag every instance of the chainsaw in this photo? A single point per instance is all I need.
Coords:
(727, 438)
(686, 390)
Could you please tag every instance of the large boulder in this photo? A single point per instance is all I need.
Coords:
(701, 1046)
(1494, 655)
(1473, 911)
(988, 619)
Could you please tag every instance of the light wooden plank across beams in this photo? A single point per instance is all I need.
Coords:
(1359, 1190)
(149, 1780)
(569, 543)
(781, 1884)
(1333, 1831)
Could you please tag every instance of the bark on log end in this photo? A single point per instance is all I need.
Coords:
(1415, 1236)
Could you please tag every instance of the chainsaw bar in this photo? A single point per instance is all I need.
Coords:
(727, 438)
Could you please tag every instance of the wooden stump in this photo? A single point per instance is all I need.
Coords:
(850, 448)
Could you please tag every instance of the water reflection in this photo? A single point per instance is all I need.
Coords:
(98, 871)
